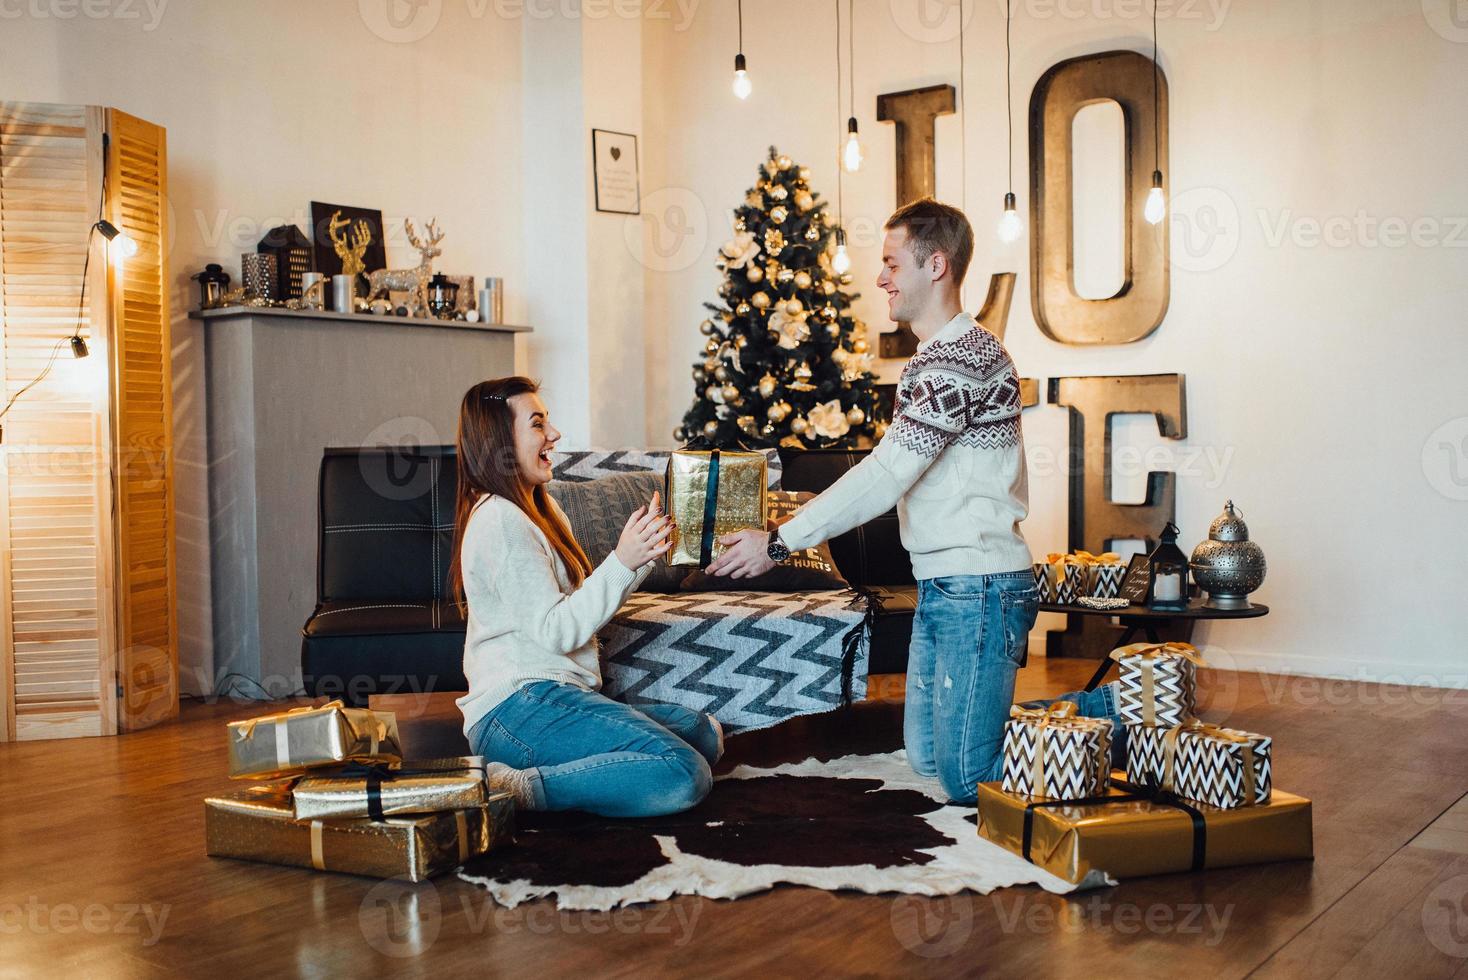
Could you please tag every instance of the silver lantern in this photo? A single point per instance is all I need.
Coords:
(1228, 566)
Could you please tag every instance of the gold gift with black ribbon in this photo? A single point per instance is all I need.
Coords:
(376, 792)
(296, 741)
(1130, 831)
(709, 494)
(1157, 683)
(262, 827)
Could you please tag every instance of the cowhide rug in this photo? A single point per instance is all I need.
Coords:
(863, 822)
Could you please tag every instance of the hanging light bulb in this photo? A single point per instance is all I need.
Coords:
(742, 86)
(126, 245)
(1010, 226)
(841, 262)
(851, 157)
(1156, 208)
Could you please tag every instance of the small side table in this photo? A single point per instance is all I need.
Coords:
(1149, 622)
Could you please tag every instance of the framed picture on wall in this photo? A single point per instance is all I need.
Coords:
(350, 226)
(614, 162)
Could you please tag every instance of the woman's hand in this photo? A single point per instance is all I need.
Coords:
(646, 535)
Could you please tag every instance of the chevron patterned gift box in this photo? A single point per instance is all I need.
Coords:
(1157, 683)
(1052, 754)
(1222, 767)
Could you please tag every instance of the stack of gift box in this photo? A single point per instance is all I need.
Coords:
(331, 791)
(1194, 795)
(1069, 578)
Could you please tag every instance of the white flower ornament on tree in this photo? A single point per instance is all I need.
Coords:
(829, 420)
(740, 250)
(791, 331)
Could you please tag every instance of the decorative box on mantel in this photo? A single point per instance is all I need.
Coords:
(283, 385)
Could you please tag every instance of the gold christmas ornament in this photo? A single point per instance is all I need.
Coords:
(714, 394)
(798, 425)
(721, 374)
(828, 420)
(855, 415)
(860, 343)
(785, 276)
(746, 425)
(804, 173)
(767, 385)
(778, 214)
(754, 273)
(761, 300)
(774, 241)
(778, 411)
(828, 287)
(784, 162)
(739, 342)
(802, 378)
(778, 192)
(804, 201)
(802, 279)
(812, 234)
(833, 329)
(794, 307)
(711, 346)
(828, 311)
(706, 327)
(709, 364)
(879, 429)
(839, 355)
(700, 375)
(846, 279)
(710, 429)
(730, 393)
(680, 434)
(742, 309)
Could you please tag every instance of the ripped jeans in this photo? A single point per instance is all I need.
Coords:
(969, 638)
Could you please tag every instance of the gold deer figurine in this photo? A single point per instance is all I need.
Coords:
(349, 249)
(414, 281)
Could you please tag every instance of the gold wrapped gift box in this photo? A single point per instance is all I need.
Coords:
(292, 742)
(257, 826)
(419, 786)
(737, 483)
(1131, 837)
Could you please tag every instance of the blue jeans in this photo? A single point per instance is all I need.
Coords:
(588, 752)
(969, 638)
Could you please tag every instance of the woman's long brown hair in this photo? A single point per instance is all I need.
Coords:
(488, 465)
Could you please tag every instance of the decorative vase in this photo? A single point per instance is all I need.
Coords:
(1228, 566)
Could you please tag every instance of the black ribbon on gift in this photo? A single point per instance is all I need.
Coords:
(710, 511)
(1131, 793)
(375, 775)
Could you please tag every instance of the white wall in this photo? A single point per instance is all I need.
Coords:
(270, 104)
(1318, 373)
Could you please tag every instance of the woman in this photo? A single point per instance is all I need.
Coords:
(530, 651)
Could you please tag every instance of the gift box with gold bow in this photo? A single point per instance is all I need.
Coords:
(373, 791)
(1069, 577)
(292, 742)
(1157, 683)
(256, 826)
(1127, 831)
(1222, 767)
(1053, 754)
(709, 494)
(1104, 573)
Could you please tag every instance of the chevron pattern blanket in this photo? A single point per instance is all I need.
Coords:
(751, 659)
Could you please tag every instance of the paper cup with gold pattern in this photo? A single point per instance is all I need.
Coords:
(1043, 584)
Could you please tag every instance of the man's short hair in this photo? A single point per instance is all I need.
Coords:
(935, 227)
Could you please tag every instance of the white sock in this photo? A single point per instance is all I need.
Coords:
(501, 777)
(719, 733)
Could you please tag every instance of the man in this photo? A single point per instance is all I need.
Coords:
(953, 463)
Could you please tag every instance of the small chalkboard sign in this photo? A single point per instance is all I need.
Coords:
(1138, 577)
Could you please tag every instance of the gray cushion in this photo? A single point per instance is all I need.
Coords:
(598, 510)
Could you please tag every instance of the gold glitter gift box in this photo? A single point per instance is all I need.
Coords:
(292, 742)
(377, 792)
(729, 487)
(259, 826)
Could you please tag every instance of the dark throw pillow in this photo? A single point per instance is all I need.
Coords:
(808, 570)
(598, 510)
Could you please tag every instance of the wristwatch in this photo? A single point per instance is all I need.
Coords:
(777, 551)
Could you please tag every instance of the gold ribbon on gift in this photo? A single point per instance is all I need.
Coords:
(318, 859)
(1105, 558)
(461, 823)
(1202, 729)
(1040, 719)
(1149, 654)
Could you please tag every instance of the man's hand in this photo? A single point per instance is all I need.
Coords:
(746, 554)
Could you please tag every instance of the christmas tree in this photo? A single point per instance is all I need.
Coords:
(785, 362)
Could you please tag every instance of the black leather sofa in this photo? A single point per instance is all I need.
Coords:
(383, 623)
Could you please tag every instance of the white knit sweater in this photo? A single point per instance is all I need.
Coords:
(952, 461)
(525, 622)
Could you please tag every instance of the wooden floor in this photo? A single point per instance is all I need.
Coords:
(104, 872)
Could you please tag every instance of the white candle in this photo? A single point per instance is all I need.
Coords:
(1167, 587)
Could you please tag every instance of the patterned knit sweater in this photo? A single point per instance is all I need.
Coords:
(952, 461)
